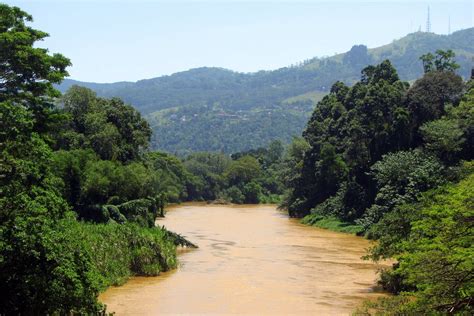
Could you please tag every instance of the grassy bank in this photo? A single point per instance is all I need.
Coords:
(118, 252)
(332, 223)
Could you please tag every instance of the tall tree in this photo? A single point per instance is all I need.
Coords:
(115, 130)
(27, 73)
(43, 270)
(349, 130)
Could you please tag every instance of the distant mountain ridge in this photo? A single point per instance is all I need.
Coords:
(247, 110)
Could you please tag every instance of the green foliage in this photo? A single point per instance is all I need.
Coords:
(350, 129)
(441, 61)
(50, 263)
(120, 251)
(28, 73)
(443, 137)
(114, 130)
(400, 178)
(177, 183)
(291, 167)
(434, 252)
(234, 195)
(464, 116)
(39, 254)
(430, 97)
(252, 192)
(246, 177)
(142, 211)
(243, 170)
(374, 151)
(35, 253)
(348, 204)
(331, 223)
(88, 183)
(207, 170)
(342, 172)
(271, 198)
(192, 129)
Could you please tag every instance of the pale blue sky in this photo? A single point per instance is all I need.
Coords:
(110, 41)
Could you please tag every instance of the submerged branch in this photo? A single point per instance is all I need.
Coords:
(179, 240)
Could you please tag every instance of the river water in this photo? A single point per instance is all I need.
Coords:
(251, 260)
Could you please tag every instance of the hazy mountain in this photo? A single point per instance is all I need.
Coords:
(219, 109)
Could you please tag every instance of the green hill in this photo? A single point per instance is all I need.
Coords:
(221, 110)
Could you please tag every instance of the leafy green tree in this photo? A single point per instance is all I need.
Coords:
(400, 178)
(252, 192)
(70, 166)
(437, 259)
(234, 195)
(114, 130)
(444, 138)
(441, 61)
(332, 168)
(35, 253)
(428, 62)
(291, 168)
(27, 73)
(463, 114)
(174, 180)
(43, 270)
(78, 101)
(275, 153)
(351, 129)
(430, 97)
(102, 136)
(207, 170)
(347, 204)
(432, 241)
(243, 170)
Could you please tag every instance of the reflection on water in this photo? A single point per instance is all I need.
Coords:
(251, 260)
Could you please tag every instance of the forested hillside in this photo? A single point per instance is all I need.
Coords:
(266, 105)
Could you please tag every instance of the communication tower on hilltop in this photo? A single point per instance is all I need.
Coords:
(428, 22)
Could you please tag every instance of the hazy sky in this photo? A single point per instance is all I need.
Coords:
(111, 41)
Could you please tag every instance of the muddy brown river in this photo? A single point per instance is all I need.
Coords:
(251, 260)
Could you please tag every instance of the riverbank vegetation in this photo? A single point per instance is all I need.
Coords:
(432, 241)
(245, 177)
(393, 162)
(62, 172)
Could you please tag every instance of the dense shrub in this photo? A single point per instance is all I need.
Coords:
(434, 250)
(234, 195)
(400, 178)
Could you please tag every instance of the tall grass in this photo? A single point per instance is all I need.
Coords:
(120, 251)
(332, 223)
